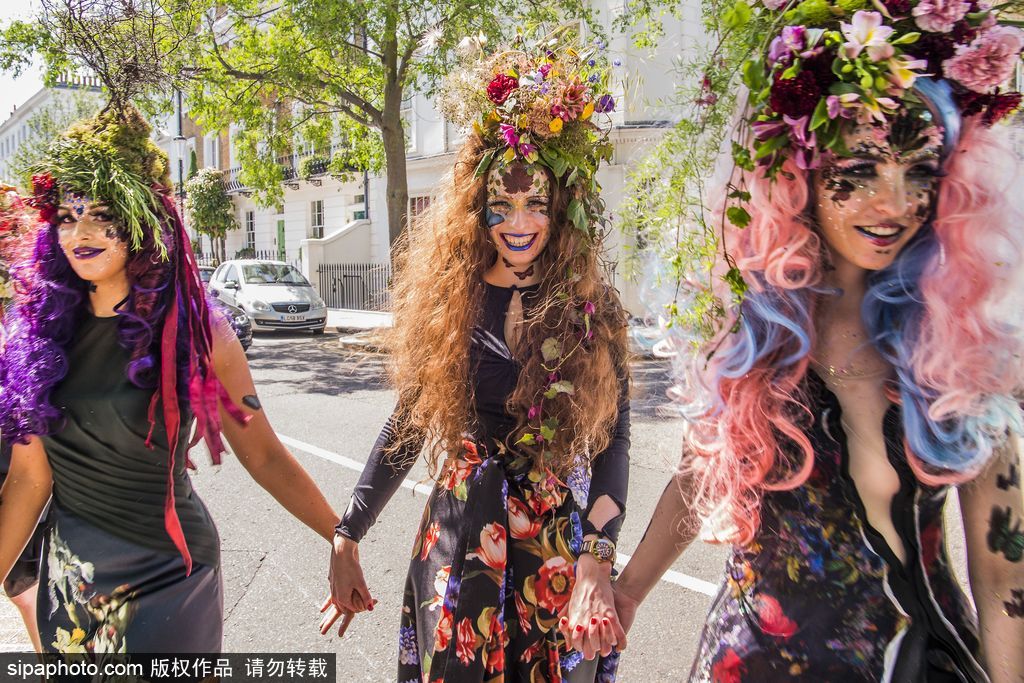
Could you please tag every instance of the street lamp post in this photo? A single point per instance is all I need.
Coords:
(179, 151)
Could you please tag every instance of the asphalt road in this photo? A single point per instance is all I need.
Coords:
(328, 406)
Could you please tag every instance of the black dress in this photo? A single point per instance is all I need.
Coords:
(492, 565)
(112, 578)
(819, 595)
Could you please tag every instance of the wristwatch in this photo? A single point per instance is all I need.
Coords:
(602, 549)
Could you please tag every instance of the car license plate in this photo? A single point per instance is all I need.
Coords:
(293, 318)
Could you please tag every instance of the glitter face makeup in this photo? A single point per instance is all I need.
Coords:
(518, 196)
(90, 239)
(869, 205)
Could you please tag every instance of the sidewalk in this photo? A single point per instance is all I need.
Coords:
(348, 320)
(360, 331)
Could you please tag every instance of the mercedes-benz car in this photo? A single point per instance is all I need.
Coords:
(273, 294)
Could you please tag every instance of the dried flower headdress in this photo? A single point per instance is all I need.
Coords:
(540, 101)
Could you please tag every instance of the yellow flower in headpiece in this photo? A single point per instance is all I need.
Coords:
(556, 125)
(510, 155)
(588, 111)
(524, 122)
(478, 129)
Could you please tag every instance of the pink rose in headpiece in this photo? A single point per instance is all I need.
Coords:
(988, 61)
(939, 16)
(792, 40)
(866, 32)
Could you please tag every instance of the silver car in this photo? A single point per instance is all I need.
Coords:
(273, 294)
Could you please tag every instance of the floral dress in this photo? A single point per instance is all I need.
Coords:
(492, 566)
(820, 596)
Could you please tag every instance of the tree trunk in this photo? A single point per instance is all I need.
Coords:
(397, 190)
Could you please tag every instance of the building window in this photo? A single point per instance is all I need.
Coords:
(359, 199)
(417, 205)
(453, 137)
(211, 150)
(316, 222)
(409, 124)
(250, 230)
(359, 215)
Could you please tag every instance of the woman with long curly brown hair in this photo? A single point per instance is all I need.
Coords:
(509, 359)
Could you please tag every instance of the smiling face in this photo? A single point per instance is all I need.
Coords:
(869, 205)
(90, 239)
(518, 199)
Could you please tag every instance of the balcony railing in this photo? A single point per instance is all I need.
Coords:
(289, 164)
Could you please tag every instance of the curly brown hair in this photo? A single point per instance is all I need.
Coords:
(438, 294)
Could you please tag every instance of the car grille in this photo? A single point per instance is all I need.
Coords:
(290, 308)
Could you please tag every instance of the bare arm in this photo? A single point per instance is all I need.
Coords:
(993, 509)
(259, 450)
(672, 528)
(22, 499)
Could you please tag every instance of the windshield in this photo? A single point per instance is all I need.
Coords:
(205, 274)
(272, 274)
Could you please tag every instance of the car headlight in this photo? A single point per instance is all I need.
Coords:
(241, 319)
(260, 306)
(319, 303)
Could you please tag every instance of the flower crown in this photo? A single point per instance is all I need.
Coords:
(864, 61)
(538, 102)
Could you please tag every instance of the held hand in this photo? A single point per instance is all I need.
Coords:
(625, 607)
(591, 624)
(349, 593)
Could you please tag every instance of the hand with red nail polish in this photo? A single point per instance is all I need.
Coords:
(594, 627)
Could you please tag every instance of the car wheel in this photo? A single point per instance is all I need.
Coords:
(318, 332)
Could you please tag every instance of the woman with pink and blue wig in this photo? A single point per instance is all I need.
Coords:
(864, 355)
(111, 354)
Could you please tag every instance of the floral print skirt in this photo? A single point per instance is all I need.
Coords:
(491, 573)
(104, 594)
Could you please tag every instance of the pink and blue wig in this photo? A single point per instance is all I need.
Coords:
(942, 314)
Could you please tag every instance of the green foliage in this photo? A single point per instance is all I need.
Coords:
(193, 164)
(665, 205)
(333, 75)
(313, 165)
(208, 204)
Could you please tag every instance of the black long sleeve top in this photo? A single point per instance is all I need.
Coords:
(494, 373)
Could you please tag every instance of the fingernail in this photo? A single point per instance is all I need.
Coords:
(606, 621)
(578, 628)
(371, 607)
(593, 621)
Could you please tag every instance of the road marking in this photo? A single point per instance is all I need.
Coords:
(671, 576)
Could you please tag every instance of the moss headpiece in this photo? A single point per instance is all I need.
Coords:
(108, 158)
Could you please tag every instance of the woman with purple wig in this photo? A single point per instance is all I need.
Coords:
(861, 350)
(111, 355)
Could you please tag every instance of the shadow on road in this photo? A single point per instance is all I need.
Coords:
(314, 365)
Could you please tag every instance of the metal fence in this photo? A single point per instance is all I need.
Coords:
(359, 286)
(258, 254)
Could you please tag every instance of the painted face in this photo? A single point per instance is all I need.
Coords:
(90, 239)
(518, 196)
(869, 205)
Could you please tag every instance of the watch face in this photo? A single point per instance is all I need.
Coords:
(602, 549)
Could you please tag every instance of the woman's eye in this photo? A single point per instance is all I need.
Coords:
(499, 207)
(65, 218)
(925, 171)
(537, 205)
(859, 171)
(101, 217)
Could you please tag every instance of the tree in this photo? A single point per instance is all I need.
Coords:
(209, 206)
(193, 165)
(317, 73)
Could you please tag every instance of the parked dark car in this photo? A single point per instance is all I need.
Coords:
(239, 321)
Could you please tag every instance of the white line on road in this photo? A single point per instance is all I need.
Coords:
(671, 576)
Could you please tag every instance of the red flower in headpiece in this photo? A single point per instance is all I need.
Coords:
(795, 97)
(500, 87)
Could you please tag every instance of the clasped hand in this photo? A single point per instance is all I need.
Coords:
(590, 623)
(349, 593)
